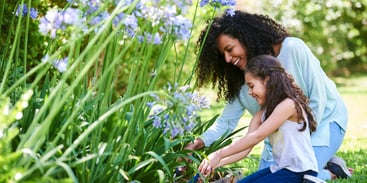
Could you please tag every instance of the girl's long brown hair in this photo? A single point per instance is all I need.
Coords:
(280, 86)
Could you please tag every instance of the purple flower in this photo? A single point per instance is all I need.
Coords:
(92, 6)
(156, 122)
(99, 18)
(230, 12)
(157, 39)
(218, 3)
(158, 110)
(71, 16)
(151, 104)
(170, 11)
(189, 126)
(45, 58)
(61, 64)
(155, 96)
(190, 110)
(177, 130)
(51, 23)
(23, 11)
(182, 27)
(140, 38)
(118, 18)
(183, 5)
(131, 22)
(33, 13)
(228, 2)
(154, 39)
(203, 3)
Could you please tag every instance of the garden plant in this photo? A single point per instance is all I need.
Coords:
(103, 90)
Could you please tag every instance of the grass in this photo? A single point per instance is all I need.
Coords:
(354, 147)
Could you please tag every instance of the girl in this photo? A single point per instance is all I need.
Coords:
(284, 117)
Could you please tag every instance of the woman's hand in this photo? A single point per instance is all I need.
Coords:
(197, 144)
(208, 165)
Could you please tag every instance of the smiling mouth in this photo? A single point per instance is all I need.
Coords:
(236, 62)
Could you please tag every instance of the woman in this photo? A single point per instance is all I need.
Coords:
(228, 42)
(284, 117)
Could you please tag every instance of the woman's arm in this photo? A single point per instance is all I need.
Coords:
(225, 123)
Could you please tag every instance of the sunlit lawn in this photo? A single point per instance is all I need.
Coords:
(354, 147)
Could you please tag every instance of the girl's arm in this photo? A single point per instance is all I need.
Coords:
(254, 124)
(234, 158)
(260, 131)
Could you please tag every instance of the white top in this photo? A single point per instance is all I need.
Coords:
(292, 148)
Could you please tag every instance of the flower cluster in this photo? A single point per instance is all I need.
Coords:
(55, 20)
(166, 18)
(220, 3)
(178, 113)
(22, 10)
(145, 21)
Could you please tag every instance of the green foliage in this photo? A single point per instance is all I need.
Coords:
(29, 45)
(335, 30)
(87, 118)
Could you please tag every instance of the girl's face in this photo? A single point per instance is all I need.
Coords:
(233, 51)
(256, 87)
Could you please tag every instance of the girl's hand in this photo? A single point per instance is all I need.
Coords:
(208, 165)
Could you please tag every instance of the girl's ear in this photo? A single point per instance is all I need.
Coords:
(267, 78)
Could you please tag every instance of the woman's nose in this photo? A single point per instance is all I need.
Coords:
(227, 57)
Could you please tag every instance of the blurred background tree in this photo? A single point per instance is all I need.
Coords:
(336, 30)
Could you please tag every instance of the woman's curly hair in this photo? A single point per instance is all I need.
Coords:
(257, 34)
(280, 86)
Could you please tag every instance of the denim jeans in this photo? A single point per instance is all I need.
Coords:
(280, 176)
(324, 153)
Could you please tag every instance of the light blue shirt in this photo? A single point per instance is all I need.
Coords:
(325, 101)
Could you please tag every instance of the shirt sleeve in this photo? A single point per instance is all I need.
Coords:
(225, 123)
(311, 79)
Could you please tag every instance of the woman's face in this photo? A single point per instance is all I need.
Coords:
(233, 51)
(256, 87)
